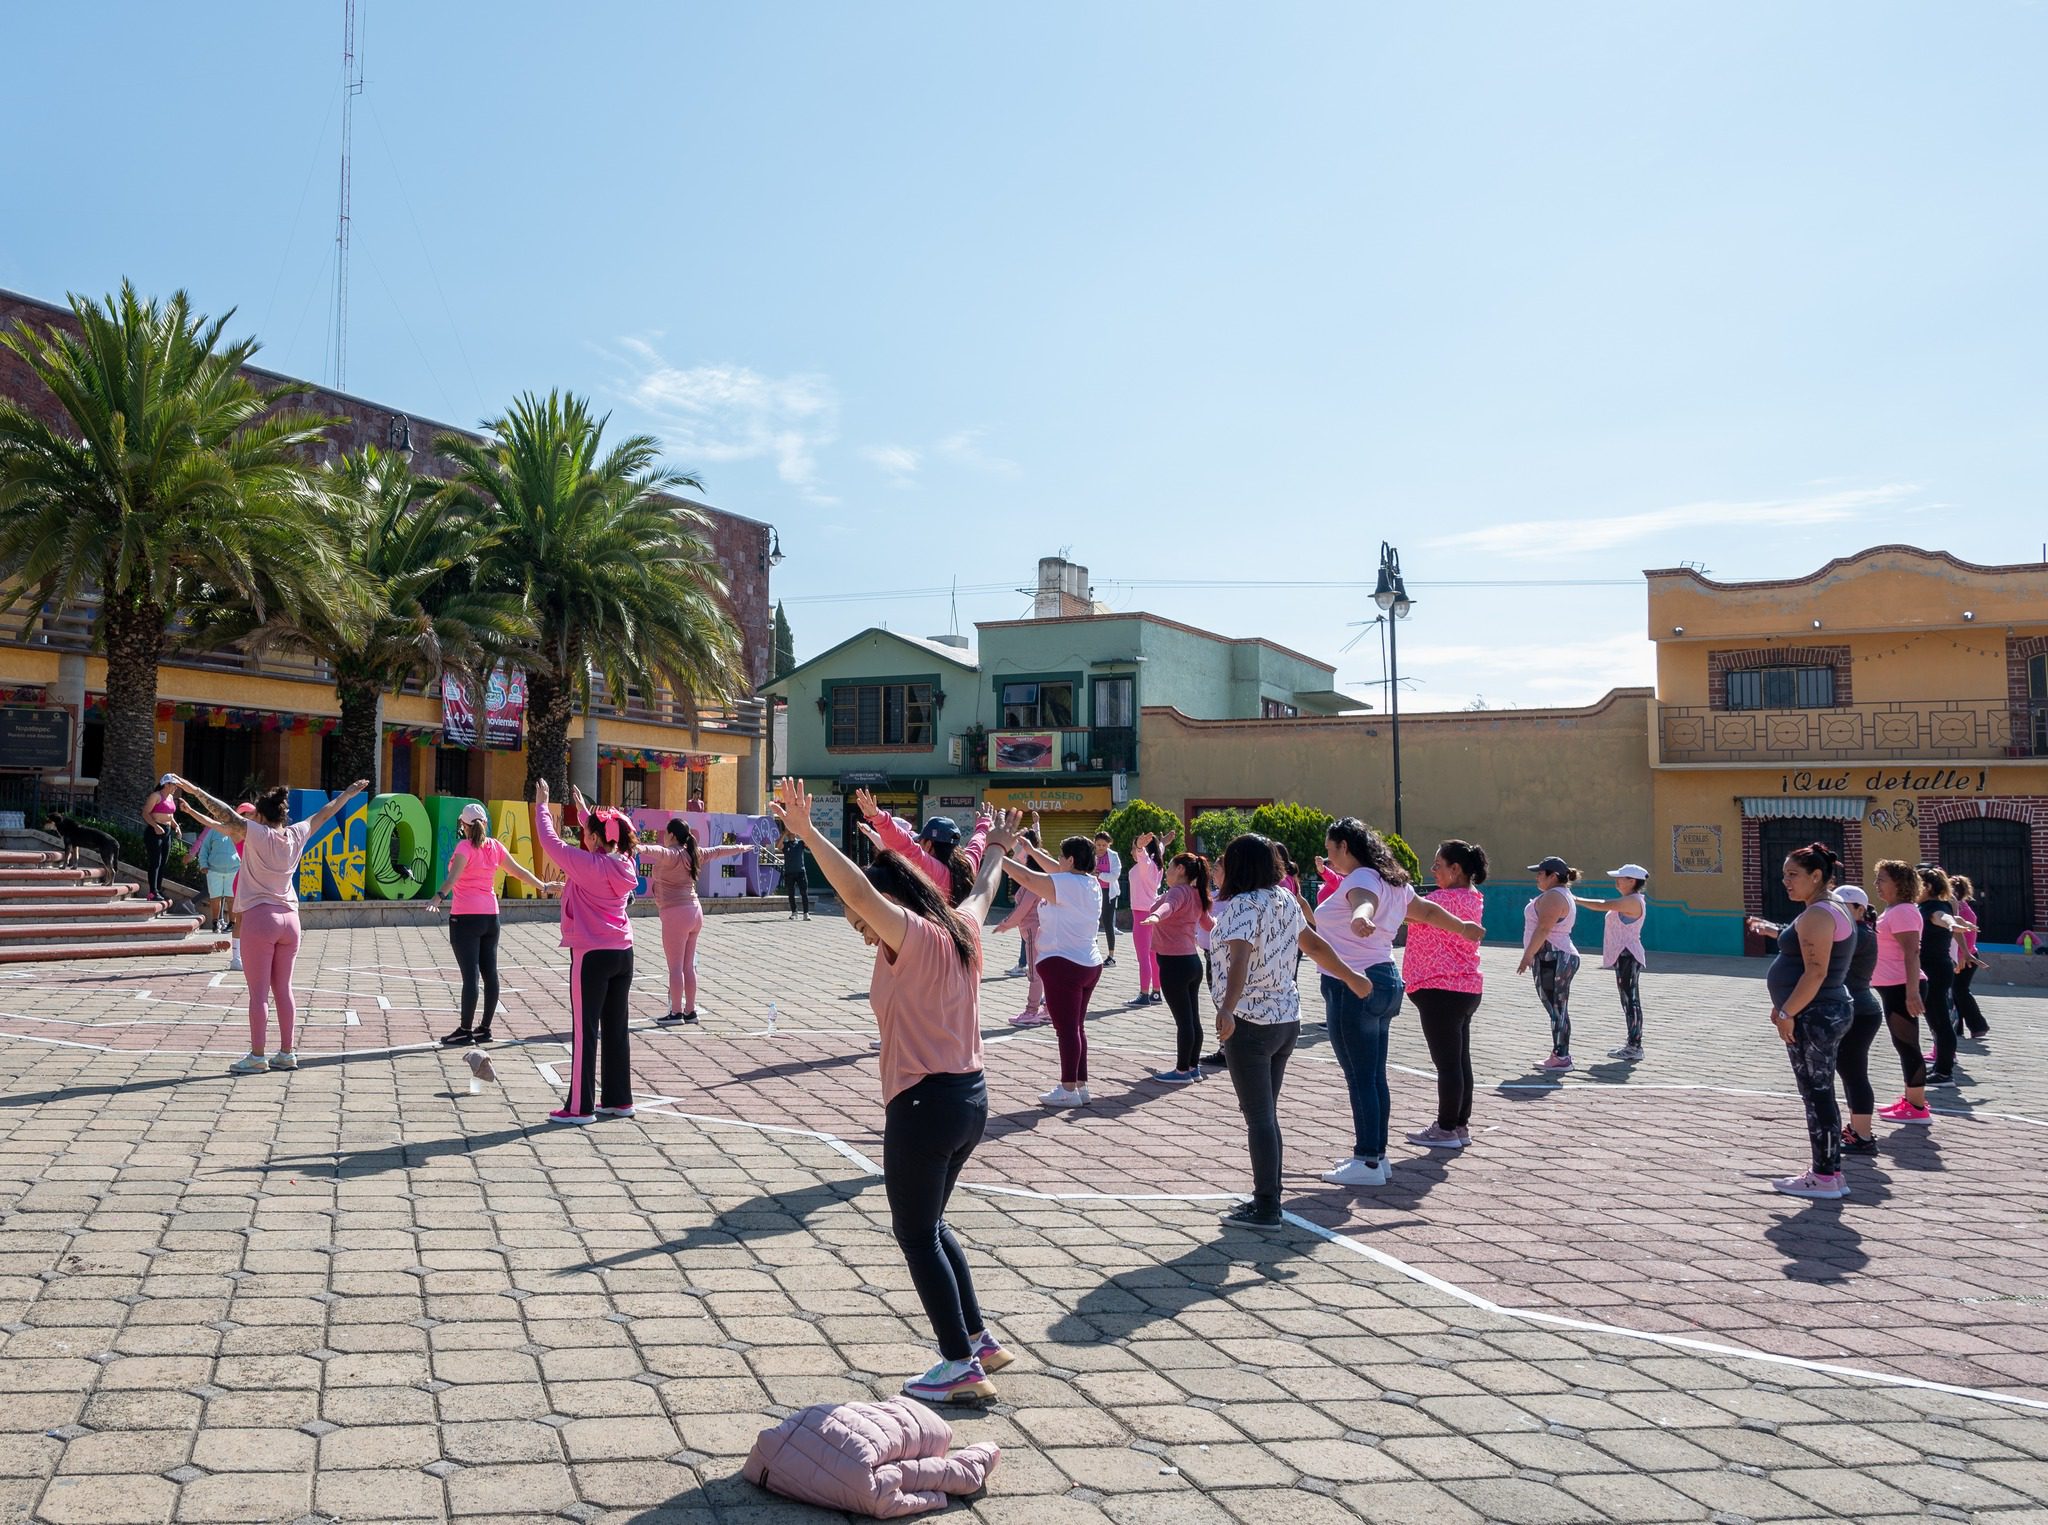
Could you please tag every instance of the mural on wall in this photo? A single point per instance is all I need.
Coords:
(1896, 817)
(401, 846)
(512, 824)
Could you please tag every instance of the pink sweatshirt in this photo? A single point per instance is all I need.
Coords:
(270, 865)
(899, 838)
(885, 1460)
(594, 898)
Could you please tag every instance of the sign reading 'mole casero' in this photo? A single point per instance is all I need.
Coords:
(1931, 781)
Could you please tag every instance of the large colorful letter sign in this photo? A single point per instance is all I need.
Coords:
(300, 804)
(445, 811)
(341, 850)
(512, 824)
(399, 842)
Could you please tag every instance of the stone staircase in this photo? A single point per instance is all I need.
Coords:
(49, 913)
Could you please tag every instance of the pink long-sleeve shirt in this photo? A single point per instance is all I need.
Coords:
(595, 894)
(897, 836)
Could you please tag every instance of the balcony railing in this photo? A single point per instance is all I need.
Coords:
(1064, 749)
(1895, 730)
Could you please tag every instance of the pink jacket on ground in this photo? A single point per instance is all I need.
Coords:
(882, 1459)
(897, 836)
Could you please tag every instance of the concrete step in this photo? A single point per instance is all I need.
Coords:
(27, 859)
(121, 908)
(167, 948)
(63, 894)
(46, 874)
(39, 934)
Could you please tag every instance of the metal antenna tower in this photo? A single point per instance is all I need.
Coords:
(351, 87)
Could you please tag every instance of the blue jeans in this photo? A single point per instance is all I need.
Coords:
(1358, 1032)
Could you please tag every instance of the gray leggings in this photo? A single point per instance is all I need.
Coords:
(1628, 983)
(1554, 970)
(1257, 1054)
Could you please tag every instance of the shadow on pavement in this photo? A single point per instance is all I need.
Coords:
(1130, 1301)
(765, 1217)
(1819, 1245)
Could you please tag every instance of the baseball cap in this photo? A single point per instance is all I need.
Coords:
(166, 781)
(1554, 865)
(1853, 894)
(1629, 871)
(245, 808)
(474, 812)
(941, 831)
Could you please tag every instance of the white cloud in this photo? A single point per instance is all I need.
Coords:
(898, 463)
(963, 447)
(1519, 675)
(720, 413)
(1533, 538)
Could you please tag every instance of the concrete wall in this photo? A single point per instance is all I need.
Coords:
(1522, 783)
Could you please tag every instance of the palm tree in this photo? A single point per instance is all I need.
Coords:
(411, 560)
(171, 480)
(614, 573)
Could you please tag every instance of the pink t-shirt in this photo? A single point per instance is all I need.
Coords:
(1966, 932)
(594, 891)
(928, 1005)
(668, 875)
(1182, 919)
(1891, 957)
(1146, 877)
(1438, 960)
(270, 866)
(473, 875)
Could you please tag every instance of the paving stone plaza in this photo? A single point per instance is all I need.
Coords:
(359, 1292)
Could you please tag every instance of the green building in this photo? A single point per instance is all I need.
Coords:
(1046, 715)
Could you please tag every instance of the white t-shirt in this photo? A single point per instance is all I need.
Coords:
(1067, 925)
(1333, 919)
(1271, 922)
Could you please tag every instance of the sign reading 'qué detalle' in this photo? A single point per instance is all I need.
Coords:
(1904, 781)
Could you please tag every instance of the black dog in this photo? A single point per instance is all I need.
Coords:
(77, 834)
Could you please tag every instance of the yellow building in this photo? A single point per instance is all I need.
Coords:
(1893, 704)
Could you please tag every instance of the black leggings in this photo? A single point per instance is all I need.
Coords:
(1257, 1054)
(1628, 983)
(1554, 969)
(159, 857)
(1940, 1020)
(930, 1131)
(1817, 1034)
(600, 987)
(1180, 980)
(1109, 919)
(1966, 1003)
(475, 941)
(1905, 1032)
(1447, 1029)
(1852, 1063)
(797, 885)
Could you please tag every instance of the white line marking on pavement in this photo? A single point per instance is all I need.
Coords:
(350, 1018)
(383, 1004)
(215, 982)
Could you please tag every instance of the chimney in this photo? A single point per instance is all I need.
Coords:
(1062, 590)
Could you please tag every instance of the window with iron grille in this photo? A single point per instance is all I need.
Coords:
(882, 715)
(1781, 688)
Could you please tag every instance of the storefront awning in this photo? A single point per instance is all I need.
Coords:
(1778, 807)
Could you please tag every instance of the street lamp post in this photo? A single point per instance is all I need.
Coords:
(1391, 594)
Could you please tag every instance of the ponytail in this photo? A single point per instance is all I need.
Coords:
(1818, 858)
(473, 833)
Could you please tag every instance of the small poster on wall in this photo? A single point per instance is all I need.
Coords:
(1695, 849)
(1024, 751)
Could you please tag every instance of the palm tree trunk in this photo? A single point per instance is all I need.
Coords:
(547, 732)
(133, 628)
(356, 738)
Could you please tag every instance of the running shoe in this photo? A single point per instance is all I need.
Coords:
(1176, 1077)
(992, 1356)
(1030, 1019)
(1357, 1172)
(462, 1037)
(625, 1111)
(1558, 1062)
(1254, 1215)
(250, 1064)
(1629, 1051)
(951, 1382)
(874, 1045)
(1434, 1137)
(1941, 1077)
(1215, 1061)
(564, 1115)
(1812, 1184)
(1903, 1111)
(1106, 963)
(1855, 1143)
(690, 1017)
(1981, 1032)
(1928, 1057)
(234, 962)
(670, 1020)
(1060, 1096)
(284, 1059)
(1464, 1134)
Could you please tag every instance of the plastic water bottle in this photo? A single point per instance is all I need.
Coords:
(476, 1086)
(769, 1032)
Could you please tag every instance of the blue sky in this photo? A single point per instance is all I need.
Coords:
(1206, 293)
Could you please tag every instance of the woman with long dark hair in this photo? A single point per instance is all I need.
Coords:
(1852, 1060)
(1171, 926)
(1148, 874)
(936, 848)
(926, 994)
(267, 899)
(1812, 1009)
(1441, 972)
(1259, 927)
(1938, 970)
(1547, 949)
(599, 877)
(160, 830)
(469, 893)
(1968, 1012)
(1069, 914)
(672, 872)
(1358, 916)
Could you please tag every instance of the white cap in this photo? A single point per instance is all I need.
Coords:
(1852, 894)
(474, 812)
(1629, 871)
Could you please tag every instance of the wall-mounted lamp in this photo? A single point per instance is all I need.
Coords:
(1816, 624)
(1969, 614)
(821, 704)
(399, 435)
(773, 556)
(938, 698)
(1678, 630)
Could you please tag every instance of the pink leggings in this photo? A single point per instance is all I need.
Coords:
(1141, 939)
(1035, 1000)
(680, 925)
(270, 946)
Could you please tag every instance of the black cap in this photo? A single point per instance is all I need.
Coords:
(941, 831)
(1551, 865)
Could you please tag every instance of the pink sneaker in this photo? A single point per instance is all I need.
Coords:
(1903, 1111)
(564, 1115)
(1813, 1185)
(1030, 1019)
(990, 1353)
(1555, 1062)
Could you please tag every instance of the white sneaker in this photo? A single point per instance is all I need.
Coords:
(1060, 1096)
(1081, 1097)
(235, 961)
(284, 1059)
(250, 1064)
(1357, 1172)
